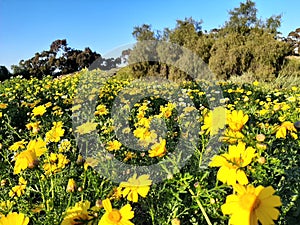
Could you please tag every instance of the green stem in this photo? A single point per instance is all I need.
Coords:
(52, 189)
(200, 206)
(42, 193)
(8, 124)
(69, 201)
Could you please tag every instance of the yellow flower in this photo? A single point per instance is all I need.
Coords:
(75, 107)
(145, 135)
(284, 127)
(77, 213)
(250, 205)
(113, 145)
(55, 133)
(19, 189)
(55, 163)
(29, 157)
(291, 99)
(39, 110)
(86, 128)
(14, 218)
(101, 110)
(144, 122)
(231, 164)
(26, 159)
(6, 205)
(135, 187)
(3, 105)
(166, 111)
(294, 88)
(115, 216)
(236, 120)
(18, 145)
(214, 120)
(158, 149)
(34, 126)
(92, 162)
(232, 137)
(64, 145)
(38, 146)
(117, 192)
(48, 104)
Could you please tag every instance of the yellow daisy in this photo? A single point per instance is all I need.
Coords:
(14, 218)
(236, 120)
(158, 149)
(250, 205)
(231, 164)
(113, 145)
(86, 128)
(39, 110)
(77, 213)
(135, 187)
(115, 216)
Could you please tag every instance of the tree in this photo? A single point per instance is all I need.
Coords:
(186, 34)
(242, 18)
(4, 73)
(61, 59)
(143, 33)
(244, 44)
(258, 53)
(294, 40)
(273, 23)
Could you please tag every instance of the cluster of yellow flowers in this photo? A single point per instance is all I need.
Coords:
(45, 148)
(131, 189)
(248, 204)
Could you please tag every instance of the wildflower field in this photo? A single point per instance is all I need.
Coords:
(63, 162)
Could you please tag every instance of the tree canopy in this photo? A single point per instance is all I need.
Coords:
(243, 44)
(61, 59)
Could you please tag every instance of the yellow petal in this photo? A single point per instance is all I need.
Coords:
(231, 177)
(143, 191)
(272, 201)
(241, 177)
(223, 174)
(107, 205)
(218, 161)
(126, 212)
(266, 192)
(264, 216)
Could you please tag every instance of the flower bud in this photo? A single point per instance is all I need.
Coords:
(260, 137)
(261, 146)
(3, 182)
(175, 221)
(71, 187)
(261, 160)
(99, 203)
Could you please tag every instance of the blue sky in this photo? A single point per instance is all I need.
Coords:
(30, 26)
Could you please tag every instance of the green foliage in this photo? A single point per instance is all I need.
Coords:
(187, 33)
(4, 73)
(61, 59)
(294, 40)
(245, 44)
(182, 194)
(242, 19)
(228, 56)
(257, 53)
